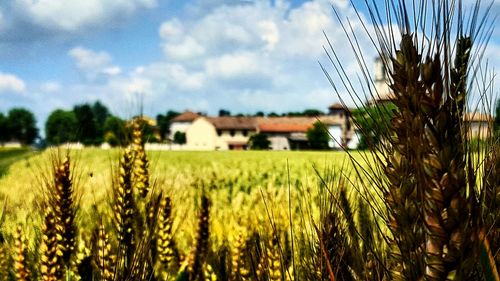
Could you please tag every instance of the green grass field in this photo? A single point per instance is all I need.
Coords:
(9, 156)
(240, 185)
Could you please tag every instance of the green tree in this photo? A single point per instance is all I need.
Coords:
(115, 132)
(4, 129)
(259, 142)
(61, 127)
(312, 112)
(373, 123)
(224, 112)
(163, 122)
(22, 125)
(87, 125)
(318, 136)
(101, 113)
(179, 137)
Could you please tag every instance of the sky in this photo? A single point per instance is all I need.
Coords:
(203, 55)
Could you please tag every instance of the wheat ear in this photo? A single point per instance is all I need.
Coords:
(22, 271)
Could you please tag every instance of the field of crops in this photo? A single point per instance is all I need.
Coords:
(235, 181)
(249, 191)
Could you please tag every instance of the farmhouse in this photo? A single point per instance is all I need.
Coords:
(284, 133)
(288, 133)
(182, 122)
(220, 133)
(479, 125)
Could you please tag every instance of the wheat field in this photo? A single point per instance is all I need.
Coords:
(239, 185)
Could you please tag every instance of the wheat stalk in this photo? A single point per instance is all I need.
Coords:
(22, 271)
(51, 250)
(105, 260)
(238, 270)
(124, 210)
(165, 243)
(199, 252)
(63, 206)
(141, 172)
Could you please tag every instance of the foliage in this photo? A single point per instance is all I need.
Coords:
(22, 125)
(101, 113)
(4, 133)
(115, 132)
(373, 123)
(318, 136)
(224, 112)
(163, 122)
(259, 142)
(61, 127)
(179, 137)
(87, 125)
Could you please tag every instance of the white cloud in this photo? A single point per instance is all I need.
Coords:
(72, 16)
(235, 65)
(188, 48)
(269, 33)
(171, 28)
(50, 87)
(11, 83)
(94, 65)
(112, 70)
(256, 56)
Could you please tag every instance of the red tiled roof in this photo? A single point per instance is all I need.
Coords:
(283, 127)
(336, 106)
(477, 117)
(233, 123)
(186, 116)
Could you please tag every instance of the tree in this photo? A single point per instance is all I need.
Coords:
(61, 127)
(223, 112)
(4, 133)
(179, 137)
(101, 113)
(318, 136)
(312, 112)
(373, 123)
(21, 124)
(163, 122)
(115, 132)
(259, 142)
(87, 126)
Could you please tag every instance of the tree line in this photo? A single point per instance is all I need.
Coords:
(19, 125)
(93, 124)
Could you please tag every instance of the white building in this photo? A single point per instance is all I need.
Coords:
(182, 122)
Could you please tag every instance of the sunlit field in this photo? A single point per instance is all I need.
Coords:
(239, 185)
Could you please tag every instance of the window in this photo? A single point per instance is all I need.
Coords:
(245, 133)
(232, 132)
(219, 132)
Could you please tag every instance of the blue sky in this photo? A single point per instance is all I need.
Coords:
(203, 55)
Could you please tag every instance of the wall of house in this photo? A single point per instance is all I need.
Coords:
(478, 129)
(336, 133)
(178, 127)
(354, 141)
(201, 135)
(227, 137)
(279, 142)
